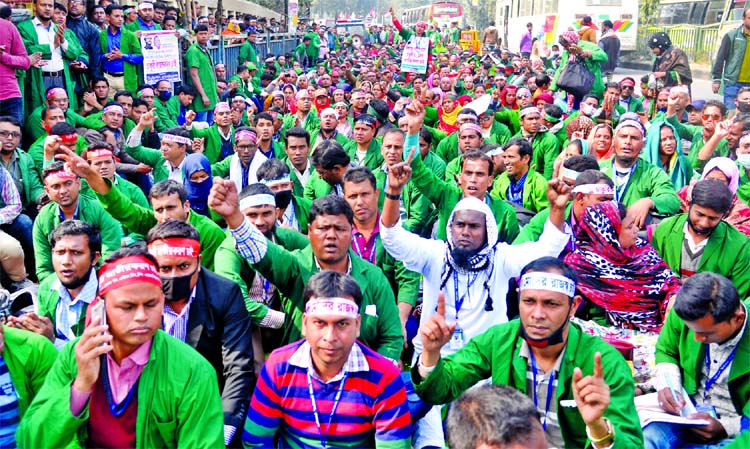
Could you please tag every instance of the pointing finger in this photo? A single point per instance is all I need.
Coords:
(598, 368)
(412, 152)
(441, 304)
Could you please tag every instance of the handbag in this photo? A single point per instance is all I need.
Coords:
(576, 79)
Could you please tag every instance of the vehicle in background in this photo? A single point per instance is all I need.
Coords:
(354, 28)
(438, 13)
(553, 17)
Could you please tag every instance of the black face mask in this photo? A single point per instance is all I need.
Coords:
(164, 95)
(554, 338)
(743, 106)
(283, 198)
(177, 288)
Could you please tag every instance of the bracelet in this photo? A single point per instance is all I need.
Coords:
(607, 439)
(391, 196)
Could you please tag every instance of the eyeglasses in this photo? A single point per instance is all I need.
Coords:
(13, 134)
(246, 147)
(714, 117)
(523, 96)
(627, 87)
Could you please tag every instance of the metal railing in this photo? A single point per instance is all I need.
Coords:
(270, 44)
(700, 43)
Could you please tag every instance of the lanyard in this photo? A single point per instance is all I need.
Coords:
(323, 436)
(724, 365)
(358, 250)
(115, 408)
(550, 386)
(619, 194)
(460, 301)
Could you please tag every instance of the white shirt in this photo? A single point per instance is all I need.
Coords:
(47, 36)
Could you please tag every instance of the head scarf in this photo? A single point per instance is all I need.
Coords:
(726, 166)
(680, 170)
(592, 147)
(483, 260)
(632, 284)
(197, 192)
(570, 36)
(505, 90)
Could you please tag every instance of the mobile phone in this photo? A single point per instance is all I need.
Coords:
(98, 310)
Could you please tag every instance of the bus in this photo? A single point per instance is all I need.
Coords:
(552, 17)
(698, 12)
(438, 13)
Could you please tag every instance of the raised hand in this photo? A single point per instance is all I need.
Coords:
(399, 174)
(189, 117)
(94, 342)
(558, 193)
(148, 119)
(591, 393)
(435, 333)
(415, 113)
(224, 200)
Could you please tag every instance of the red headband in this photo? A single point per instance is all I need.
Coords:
(127, 271)
(99, 154)
(175, 247)
(62, 174)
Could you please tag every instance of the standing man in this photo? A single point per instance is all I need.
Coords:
(490, 36)
(88, 36)
(732, 65)
(14, 57)
(168, 398)
(145, 20)
(610, 43)
(297, 149)
(41, 35)
(526, 41)
(202, 77)
(121, 53)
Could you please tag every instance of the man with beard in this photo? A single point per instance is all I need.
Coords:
(266, 145)
(695, 241)
(329, 120)
(260, 297)
(303, 118)
(474, 180)
(205, 311)
(331, 221)
(63, 189)
(219, 137)
(20, 165)
(64, 297)
(291, 210)
(639, 185)
(242, 166)
(542, 355)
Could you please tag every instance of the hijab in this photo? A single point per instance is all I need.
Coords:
(197, 192)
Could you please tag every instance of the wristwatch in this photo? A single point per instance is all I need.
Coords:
(605, 441)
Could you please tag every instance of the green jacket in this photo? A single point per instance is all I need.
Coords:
(495, 354)
(534, 190)
(28, 181)
(340, 138)
(668, 240)
(416, 210)
(196, 57)
(447, 149)
(212, 142)
(182, 409)
(29, 358)
(152, 158)
(593, 64)
(90, 211)
(34, 92)
(299, 188)
(129, 45)
(231, 265)
(646, 181)
(289, 271)
(510, 118)
(677, 345)
(695, 135)
(729, 58)
(546, 149)
(34, 127)
(311, 125)
(435, 164)
(248, 54)
(534, 228)
(47, 306)
(316, 187)
(445, 195)
(167, 113)
(373, 158)
(136, 26)
(140, 220)
(36, 151)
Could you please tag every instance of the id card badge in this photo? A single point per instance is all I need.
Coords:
(457, 340)
(708, 409)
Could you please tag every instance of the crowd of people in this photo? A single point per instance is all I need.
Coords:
(323, 250)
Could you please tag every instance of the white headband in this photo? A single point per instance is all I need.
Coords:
(177, 139)
(570, 174)
(528, 110)
(596, 189)
(538, 280)
(496, 152)
(145, 5)
(262, 199)
(273, 182)
(332, 306)
(744, 138)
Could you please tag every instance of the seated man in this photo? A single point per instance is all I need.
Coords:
(167, 162)
(376, 416)
(640, 186)
(172, 113)
(545, 144)
(520, 185)
(168, 201)
(219, 137)
(242, 166)
(494, 416)
(64, 297)
(364, 148)
(205, 311)
(21, 166)
(538, 355)
(330, 235)
(55, 97)
(96, 120)
(292, 211)
(697, 241)
(168, 397)
(63, 188)
(51, 118)
(708, 323)
(101, 156)
(331, 162)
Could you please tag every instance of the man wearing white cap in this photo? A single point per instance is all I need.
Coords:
(542, 355)
(145, 20)
(329, 120)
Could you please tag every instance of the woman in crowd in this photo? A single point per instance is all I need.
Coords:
(663, 150)
(196, 177)
(621, 277)
(601, 140)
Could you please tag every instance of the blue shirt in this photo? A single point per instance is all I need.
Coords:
(145, 27)
(117, 65)
(9, 416)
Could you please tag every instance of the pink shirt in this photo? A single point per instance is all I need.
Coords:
(366, 248)
(13, 58)
(122, 377)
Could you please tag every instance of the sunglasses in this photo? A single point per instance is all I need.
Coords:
(714, 117)
(523, 96)
(627, 87)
